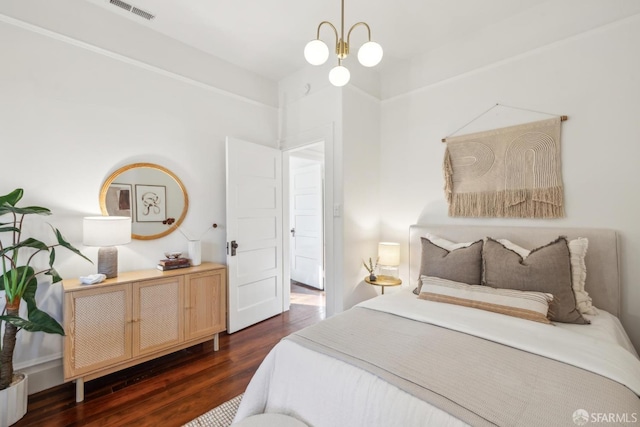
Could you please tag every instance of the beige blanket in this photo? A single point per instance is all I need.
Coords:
(507, 172)
(476, 380)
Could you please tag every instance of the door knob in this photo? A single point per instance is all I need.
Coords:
(293, 232)
(234, 246)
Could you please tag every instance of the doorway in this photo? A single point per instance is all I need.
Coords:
(305, 221)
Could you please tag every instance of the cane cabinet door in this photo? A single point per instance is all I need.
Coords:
(98, 328)
(157, 314)
(205, 303)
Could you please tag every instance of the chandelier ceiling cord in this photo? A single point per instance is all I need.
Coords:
(316, 51)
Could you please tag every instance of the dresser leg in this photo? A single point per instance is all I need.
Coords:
(79, 390)
(216, 345)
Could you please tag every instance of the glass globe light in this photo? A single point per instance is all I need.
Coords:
(370, 54)
(339, 76)
(316, 52)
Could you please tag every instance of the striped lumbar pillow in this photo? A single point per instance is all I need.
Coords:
(523, 304)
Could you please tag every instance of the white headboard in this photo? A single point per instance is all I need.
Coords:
(602, 260)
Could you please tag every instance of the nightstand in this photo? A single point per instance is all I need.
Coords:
(384, 281)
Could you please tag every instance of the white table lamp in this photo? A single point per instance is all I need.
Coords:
(389, 257)
(106, 232)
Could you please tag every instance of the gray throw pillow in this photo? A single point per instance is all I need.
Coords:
(460, 265)
(546, 269)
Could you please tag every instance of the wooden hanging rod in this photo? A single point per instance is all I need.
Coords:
(562, 119)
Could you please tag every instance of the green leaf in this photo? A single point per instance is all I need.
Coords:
(12, 198)
(62, 242)
(14, 320)
(40, 320)
(55, 277)
(29, 293)
(28, 243)
(38, 210)
(12, 229)
(33, 243)
(41, 324)
(12, 278)
(7, 207)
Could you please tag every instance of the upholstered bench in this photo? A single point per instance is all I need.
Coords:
(270, 420)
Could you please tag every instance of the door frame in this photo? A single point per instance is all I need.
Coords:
(286, 219)
(333, 303)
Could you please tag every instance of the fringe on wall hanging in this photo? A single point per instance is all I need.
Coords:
(511, 172)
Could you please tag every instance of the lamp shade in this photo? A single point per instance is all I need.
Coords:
(106, 230)
(389, 253)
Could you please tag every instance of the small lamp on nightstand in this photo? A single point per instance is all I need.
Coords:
(389, 258)
(106, 232)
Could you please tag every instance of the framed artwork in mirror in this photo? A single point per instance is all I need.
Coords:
(119, 200)
(151, 203)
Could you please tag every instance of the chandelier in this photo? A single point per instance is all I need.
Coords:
(316, 51)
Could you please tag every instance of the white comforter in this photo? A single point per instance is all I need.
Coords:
(323, 391)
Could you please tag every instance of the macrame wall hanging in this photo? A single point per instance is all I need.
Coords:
(511, 172)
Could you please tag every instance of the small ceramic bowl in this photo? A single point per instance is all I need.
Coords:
(172, 254)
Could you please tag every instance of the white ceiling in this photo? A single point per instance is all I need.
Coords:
(268, 37)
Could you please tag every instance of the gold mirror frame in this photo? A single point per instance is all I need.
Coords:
(169, 228)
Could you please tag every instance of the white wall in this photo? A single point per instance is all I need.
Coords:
(361, 160)
(592, 77)
(311, 111)
(70, 116)
(310, 106)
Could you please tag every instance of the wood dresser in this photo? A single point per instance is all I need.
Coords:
(138, 316)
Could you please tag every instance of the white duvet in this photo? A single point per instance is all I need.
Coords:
(323, 391)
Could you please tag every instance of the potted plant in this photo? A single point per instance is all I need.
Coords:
(19, 281)
(371, 269)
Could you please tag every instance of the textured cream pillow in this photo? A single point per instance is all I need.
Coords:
(577, 250)
(523, 304)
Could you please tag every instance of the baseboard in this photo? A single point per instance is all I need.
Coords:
(44, 375)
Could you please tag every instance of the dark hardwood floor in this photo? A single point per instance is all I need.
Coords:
(176, 388)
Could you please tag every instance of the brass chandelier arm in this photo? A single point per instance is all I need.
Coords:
(354, 26)
(342, 48)
(335, 31)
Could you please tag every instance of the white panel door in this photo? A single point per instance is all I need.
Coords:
(254, 233)
(307, 248)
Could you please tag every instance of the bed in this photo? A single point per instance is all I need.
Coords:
(399, 359)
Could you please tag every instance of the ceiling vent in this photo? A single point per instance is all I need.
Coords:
(146, 15)
(129, 8)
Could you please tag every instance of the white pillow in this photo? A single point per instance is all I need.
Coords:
(447, 244)
(527, 305)
(578, 250)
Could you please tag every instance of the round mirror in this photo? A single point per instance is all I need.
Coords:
(151, 195)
